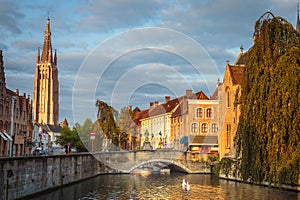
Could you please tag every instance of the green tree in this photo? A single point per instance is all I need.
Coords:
(84, 132)
(70, 136)
(268, 133)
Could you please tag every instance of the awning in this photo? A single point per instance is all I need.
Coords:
(2, 135)
(8, 136)
(184, 140)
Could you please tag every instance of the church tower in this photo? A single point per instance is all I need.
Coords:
(45, 99)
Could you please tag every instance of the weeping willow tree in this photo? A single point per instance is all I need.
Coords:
(268, 135)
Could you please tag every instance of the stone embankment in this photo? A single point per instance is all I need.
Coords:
(23, 176)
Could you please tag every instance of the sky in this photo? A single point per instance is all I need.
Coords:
(129, 52)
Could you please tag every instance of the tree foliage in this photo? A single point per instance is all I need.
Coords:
(127, 126)
(115, 127)
(70, 136)
(268, 133)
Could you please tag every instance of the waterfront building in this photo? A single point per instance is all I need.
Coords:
(45, 99)
(156, 123)
(15, 119)
(188, 122)
(195, 123)
(229, 92)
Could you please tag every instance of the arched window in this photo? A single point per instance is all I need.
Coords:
(204, 128)
(194, 128)
(199, 112)
(214, 128)
(209, 113)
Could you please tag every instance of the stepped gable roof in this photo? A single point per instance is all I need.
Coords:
(236, 73)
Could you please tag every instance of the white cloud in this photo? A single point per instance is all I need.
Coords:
(218, 27)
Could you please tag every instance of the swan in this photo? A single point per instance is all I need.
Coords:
(183, 184)
(188, 187)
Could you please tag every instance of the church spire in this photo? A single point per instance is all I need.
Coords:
(47, 48)
(298, 20)
(38, 56)
(55, 58)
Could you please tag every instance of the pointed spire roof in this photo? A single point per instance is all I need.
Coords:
(65, 123)
(47, 48)
(298, 20)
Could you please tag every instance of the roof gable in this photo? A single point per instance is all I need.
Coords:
(236, 73)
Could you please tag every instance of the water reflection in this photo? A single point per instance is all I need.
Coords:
(156, 186)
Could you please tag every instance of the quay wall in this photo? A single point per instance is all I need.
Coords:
(23, 176)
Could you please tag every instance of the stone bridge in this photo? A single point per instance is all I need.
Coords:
(128, 161)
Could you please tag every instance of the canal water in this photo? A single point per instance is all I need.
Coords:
(167, 186)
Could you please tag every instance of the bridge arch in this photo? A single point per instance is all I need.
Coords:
(173, 163)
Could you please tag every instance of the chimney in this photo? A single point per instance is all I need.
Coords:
(167, 99)
(129, 108)
(151, 104)
(17, 91)
(189, 93)
(155, 103)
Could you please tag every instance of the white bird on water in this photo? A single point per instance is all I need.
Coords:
(188, 187)
(183, 184)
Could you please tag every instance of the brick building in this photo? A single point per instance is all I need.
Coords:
(193, 116)
(15, 119)
(229, 103)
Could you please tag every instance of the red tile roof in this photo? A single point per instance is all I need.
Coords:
(201, 95)
(167, 107)
(236, 73)
(214, 96)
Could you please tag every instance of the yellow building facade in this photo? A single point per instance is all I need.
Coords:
(229, 105)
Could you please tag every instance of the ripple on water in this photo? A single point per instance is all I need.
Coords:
(164, 187)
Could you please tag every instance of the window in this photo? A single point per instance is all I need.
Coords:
(204, 128)
(6, 111)
(228, 135)
(228, 99)
(214, 128)
(194, 128)
(209, 113)
(199, 112)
